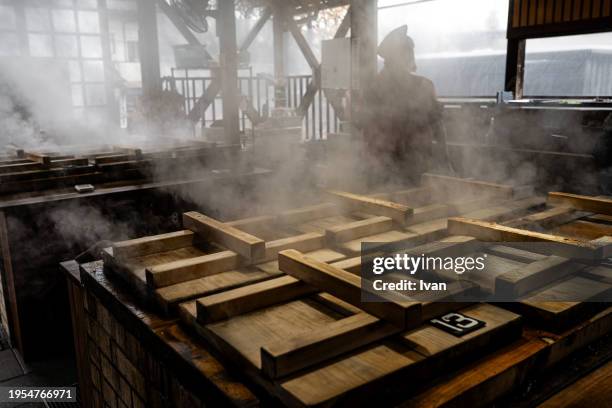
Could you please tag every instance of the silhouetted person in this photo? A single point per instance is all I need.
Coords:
(401, 117)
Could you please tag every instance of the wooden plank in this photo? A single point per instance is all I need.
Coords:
(354, 202)
(387, 366)
(357, 229)
(445, 185)
(547, 219)
(303, 243)
(169, 296)
(14, 168)
(247, 245)
(253, 225)
(285, 357)
(428, 213)
(532, 276)
(225, 305)
(599, 205)
(150, 245)
(562, 304)
(507, 210)
(44, 159)
(414, 197)
(514, 253)
(241, 338)
(406, 238)
(306, 214)
(493, 232)
(483, 380)
(192, 268)
(593, 390)
(347, 286)
(584, 230)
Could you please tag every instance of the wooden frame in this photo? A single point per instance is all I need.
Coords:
(294, 324)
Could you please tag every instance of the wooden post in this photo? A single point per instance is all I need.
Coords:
(148, 47)
(515, 67)
(226, 30)
(280, 96)
(364, 35)
(364, 32)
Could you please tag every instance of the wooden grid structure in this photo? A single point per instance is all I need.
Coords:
(26, 170)
(280, 296)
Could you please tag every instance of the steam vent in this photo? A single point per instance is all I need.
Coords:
(305, 203)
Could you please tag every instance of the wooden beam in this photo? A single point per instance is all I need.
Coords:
(247, 245)
(493, 232)
(357, 229)
(226, 26)
(302, 43)
(151, 245)
(524, 279)
(547, 218)
(309, 213)
(288, 356)
(354, 202)
(315, 84)
(515, 67)
(183, 270)
(148, 47)
(347, 286)
(235, 302)
(250, 37)
(303, 243)
(178, 23)
(598, 205)
(456, 185)
(207, 98)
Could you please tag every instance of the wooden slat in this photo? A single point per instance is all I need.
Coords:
(515, 254)
(192, 268)
(492, 232)
(150, 245)
(347, 287)
(355, 202)
(246, 299)
(254, 224)
(306, 214)
(414, 197)
(459, 186)
(288, 356)
(592, 390)
(169, 296)
(247, 245)
(428, 213)
(358, 229)
(303, 243)
(527, 278)
(547, 218)
(584, 230)
(599, 205)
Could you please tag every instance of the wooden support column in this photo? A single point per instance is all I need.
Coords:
(278, 29)
(364, 35)
(515, 67)
(226, 30)
(148, 46)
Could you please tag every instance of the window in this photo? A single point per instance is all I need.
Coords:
(573, 66)
(460, 45)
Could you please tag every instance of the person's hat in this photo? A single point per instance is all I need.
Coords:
(397, 41)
